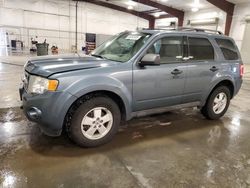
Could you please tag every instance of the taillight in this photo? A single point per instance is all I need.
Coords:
(241, 70)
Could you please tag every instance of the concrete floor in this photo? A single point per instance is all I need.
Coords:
(175, 149)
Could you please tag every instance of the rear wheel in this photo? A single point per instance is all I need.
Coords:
(94, 122)
(217, 103)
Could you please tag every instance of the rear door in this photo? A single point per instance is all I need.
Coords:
(160, 86)
(201, 66)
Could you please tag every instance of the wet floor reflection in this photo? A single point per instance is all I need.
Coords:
(174, 149)
(174, 144)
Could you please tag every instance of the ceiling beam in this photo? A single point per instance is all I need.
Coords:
(151, 11)
(228, 8)
(223, 5)
(165, 16)
(170, 10)
(123, 9)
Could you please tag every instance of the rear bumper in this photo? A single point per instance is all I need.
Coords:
(48, 109)
(238, 84)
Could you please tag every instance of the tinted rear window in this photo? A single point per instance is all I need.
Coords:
(228, 49)
(200, 49)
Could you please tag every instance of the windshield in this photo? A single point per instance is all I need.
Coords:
(122, 47)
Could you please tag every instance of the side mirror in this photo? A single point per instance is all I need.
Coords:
(150, 59)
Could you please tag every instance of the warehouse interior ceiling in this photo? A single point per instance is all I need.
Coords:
(178, 4)
(159, 9)
(238, 1)
(55, 22)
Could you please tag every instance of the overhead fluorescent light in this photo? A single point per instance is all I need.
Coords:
(157, 15)
(195, 5)
(131, 3)
(195, 9)
(196, 2)
(130, 7)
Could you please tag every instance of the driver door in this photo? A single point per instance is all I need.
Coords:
(163, 85)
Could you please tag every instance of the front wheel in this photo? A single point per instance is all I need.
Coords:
(217, 103)
(94, 122)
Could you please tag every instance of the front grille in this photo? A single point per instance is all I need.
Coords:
(26, 80)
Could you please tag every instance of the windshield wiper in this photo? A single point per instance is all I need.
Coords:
(95, 55)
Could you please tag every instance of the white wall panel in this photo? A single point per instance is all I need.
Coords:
(51, 22)
(17, 4)
(46, 33)
(64, 43)
(64, 23)
(46, 18)
(63, 8)
(238, 23)
(34, 20)
(12, 17)
(51, 7)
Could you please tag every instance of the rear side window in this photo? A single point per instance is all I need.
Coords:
(200, 49)
(228, 49)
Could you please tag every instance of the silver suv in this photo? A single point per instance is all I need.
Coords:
(132, 74)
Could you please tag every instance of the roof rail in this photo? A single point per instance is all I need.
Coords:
(198, 30)
(188, 29)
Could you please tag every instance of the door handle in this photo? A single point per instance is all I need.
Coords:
(176, 71)
(185, 58)
(214, 68)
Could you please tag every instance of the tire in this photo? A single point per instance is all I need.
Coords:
(87, 125)
(210, 110)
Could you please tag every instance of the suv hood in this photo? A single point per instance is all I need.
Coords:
(47, 65)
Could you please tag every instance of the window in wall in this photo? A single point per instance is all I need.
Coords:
(169, 48)
(228, 49)
(200, 49)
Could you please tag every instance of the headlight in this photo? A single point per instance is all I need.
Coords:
(39, 84)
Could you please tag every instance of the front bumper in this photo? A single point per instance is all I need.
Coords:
(48, 109)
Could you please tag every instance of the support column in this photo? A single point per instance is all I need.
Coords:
(151, 23)
(180, 20)
(229, 19)
(226, 7)
(76, 24)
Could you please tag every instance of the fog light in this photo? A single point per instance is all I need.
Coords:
(34, 113)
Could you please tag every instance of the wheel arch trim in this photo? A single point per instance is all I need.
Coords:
(214, 85)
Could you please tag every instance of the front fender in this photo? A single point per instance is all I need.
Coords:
(103, 83)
